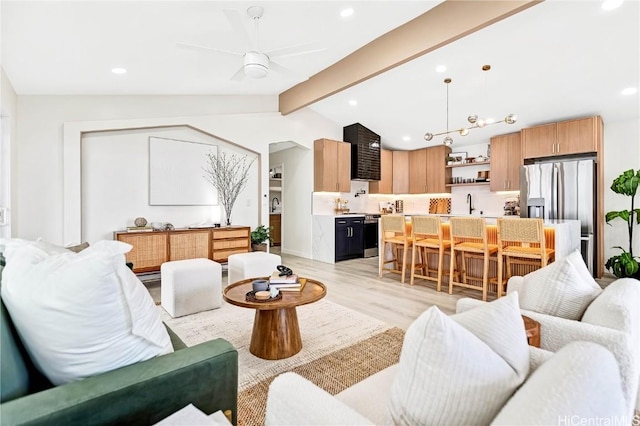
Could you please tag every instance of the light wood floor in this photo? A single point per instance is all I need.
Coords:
(356, 285)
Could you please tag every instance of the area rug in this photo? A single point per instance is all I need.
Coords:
(325, 327)
(334, 372)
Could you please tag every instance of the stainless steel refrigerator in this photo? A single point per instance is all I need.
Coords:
(563, 190)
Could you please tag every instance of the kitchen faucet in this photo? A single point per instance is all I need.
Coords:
(273, 208)
(471, 209)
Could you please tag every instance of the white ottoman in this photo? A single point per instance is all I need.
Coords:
(250, 265)
(190, 286)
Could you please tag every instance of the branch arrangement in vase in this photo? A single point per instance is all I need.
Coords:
(228, 174)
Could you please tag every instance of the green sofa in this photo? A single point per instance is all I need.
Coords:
(143, 393)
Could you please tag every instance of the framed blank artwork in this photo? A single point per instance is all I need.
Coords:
(176, 175)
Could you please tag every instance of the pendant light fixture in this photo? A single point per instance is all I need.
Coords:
(448, 141)
(475, 121)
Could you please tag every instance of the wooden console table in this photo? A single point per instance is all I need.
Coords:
(152, 249)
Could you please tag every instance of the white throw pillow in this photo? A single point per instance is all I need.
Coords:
(580, 382)
(80, 314)
(564, 288)
(460, 369)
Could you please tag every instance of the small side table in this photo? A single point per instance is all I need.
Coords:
(532, 329)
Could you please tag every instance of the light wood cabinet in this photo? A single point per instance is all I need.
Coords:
(275, 222)
(189, 244)
(332, 166)
(228, 241)
(427, 171)
(151, 249)
(437, 174)
(418, 171)
(578, 136)
(400, 172)
(385, 184)
(506, 159)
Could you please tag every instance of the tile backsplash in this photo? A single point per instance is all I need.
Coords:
(483, 201)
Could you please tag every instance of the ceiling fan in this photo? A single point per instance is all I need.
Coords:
(257, 64)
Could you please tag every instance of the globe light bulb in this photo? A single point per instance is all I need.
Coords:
(428, 136)
(447, 141)
(464, 132)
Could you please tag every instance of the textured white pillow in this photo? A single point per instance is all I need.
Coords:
(460, 369)
(581, 381)
(565, 288)
(80, 314)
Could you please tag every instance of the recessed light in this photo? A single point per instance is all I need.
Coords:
(611, 4)
(406, 138)
(119, 70)
(629, 91)
(345, 13)
(353, 102)
(441, 68)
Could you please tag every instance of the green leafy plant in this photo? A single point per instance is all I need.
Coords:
(625, 264)
(261, 234)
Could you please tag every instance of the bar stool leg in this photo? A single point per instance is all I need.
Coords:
(451, 269)
(413, 265)
(440, 266)
(404, 261)
(485, 277)
(381, 259)
(500, 265)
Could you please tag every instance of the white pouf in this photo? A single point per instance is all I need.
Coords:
(190, 286)
(252, 265)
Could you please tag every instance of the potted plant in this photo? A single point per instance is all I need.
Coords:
(625, 264)
(259, 238)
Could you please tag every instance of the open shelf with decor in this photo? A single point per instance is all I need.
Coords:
(477, 163)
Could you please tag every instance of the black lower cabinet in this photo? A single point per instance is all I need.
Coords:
(349, 238)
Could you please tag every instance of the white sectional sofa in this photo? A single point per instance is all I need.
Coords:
(470, 368)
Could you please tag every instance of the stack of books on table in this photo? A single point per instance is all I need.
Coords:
(286, 282)
(139, 229)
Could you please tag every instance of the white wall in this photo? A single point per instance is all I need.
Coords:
(48, 126)
(115, 184)
(297, 187)
(8, 108)
(621, 152)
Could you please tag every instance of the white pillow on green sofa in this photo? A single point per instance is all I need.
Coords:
(564, 288)
(460, 369)
(80, 314)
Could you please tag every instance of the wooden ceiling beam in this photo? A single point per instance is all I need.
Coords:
(441, 25)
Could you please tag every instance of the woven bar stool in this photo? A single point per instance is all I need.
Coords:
(427, 239)
(394, 232)
(521, 241)
(469, 238)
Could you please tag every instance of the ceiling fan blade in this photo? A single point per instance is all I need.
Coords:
(235, 19)
(281, 69)
(239, 75)
(298, 49)
(213, 49)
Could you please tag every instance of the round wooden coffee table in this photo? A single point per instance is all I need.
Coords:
(276, 334)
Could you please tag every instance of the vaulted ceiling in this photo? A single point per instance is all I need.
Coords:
(552, 61)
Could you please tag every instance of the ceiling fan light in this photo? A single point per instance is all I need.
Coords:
(255, 71)
(256, 65)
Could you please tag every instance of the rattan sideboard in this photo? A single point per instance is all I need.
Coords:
(152, 249)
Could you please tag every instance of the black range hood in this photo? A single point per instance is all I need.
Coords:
(365, 152)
